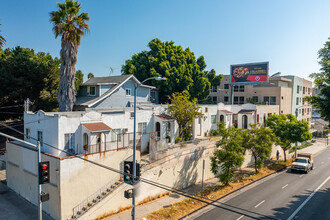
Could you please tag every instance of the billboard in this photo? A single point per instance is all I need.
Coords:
(249, 73)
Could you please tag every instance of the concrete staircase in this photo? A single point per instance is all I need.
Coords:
(96, 197)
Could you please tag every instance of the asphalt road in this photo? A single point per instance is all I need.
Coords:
(285, 196)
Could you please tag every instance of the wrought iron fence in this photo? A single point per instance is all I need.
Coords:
(122, 141)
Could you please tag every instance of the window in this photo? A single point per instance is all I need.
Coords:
(128, 92)
(304, 88)
(303, 110)
(281, 111)
(257, 118)
(40, 138)
(69, 141)
(28, 133)
(226, 86)
(266, 100)
(206, 109)
(214, 99)
(91, 90)
(226, 99)
(235, 100)
(272, 100)
(119, 134)
(309, 91)
(213, 119)
(214, 88)
(142, 127)
(235, 88)
(298, 89)
(132, 114)
(297, 101)
(241, 100)
(241, 88)
(255, 99)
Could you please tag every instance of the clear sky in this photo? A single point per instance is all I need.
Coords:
(287, 33)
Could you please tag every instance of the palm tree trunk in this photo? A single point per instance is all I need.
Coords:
(66, 94)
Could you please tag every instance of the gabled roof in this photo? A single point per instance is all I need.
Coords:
(245, 111)
(118, 81)
(226, 111)
(106, 80)
(97, 127)
(165, 117)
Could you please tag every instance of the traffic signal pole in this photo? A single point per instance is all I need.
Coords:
(39, 185)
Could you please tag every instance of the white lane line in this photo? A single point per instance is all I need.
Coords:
(240, 217)
(285, 186)
(301, 175)
(309, 197)
(259, 204)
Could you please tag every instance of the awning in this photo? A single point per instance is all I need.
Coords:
(165, 117)
(226, 111)
(97, 127)
(245, 111)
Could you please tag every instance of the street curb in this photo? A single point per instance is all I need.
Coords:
(242, 187)
(236, 190)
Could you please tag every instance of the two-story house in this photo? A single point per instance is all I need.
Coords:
(114, 91)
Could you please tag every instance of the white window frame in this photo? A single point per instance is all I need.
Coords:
(142, 127)
(69, 141)
(128, 92)
(213, 119)
(27, 133)
(89, 91)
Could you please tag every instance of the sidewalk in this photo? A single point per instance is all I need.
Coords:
(145, 209)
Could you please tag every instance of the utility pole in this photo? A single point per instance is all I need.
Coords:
(134, 151)
(39, 185)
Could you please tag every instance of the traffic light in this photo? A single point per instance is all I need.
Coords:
(138, 172)
(44, 172)
(128, 172)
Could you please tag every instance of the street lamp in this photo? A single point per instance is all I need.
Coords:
(134, 140)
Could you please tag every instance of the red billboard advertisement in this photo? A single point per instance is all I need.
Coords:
(249, 73)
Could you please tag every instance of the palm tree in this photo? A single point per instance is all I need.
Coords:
(71, 25)
(2, 40)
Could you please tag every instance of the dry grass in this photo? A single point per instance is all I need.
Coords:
(183, 207)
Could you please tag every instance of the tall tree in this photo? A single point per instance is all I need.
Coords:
(259, 141)
(184, 111)
(26, 74)
(71, 26)
(2, 40)
(179, 66)
(322, 83)
(90, 75)
(229, 155)
(288, 130)
(79, 79)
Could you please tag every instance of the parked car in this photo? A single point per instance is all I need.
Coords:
(303, 162)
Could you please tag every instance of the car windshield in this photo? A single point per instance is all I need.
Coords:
(300, 160)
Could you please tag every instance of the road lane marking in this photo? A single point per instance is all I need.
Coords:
(301, 175)
(309, 197)
(259, 204)
(285, 186)
(240, 217)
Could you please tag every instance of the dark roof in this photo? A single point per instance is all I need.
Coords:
(99, 126)
(106, 80)
(165, 117)
(245, 111)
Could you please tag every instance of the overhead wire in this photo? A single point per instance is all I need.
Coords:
(159, 185)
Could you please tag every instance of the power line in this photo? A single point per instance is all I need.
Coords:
(159, 185)
(12, 106)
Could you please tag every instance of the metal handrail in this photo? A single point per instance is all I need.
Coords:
(94, 198)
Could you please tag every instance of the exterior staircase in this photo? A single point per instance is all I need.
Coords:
(96, 197)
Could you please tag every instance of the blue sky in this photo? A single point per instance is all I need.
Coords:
(287, 33)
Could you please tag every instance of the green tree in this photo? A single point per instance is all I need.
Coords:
(90, 75)
(26, 74)
(79, 79)
(2, 40)
(184, 111)
(71, 26)
(259, 141)
(288, 130)
(322, 83)
(179, 66)
(229, 155)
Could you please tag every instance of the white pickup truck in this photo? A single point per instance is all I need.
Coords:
(303, 162)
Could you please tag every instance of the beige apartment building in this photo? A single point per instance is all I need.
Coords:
(286, 91)
(276, 92)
